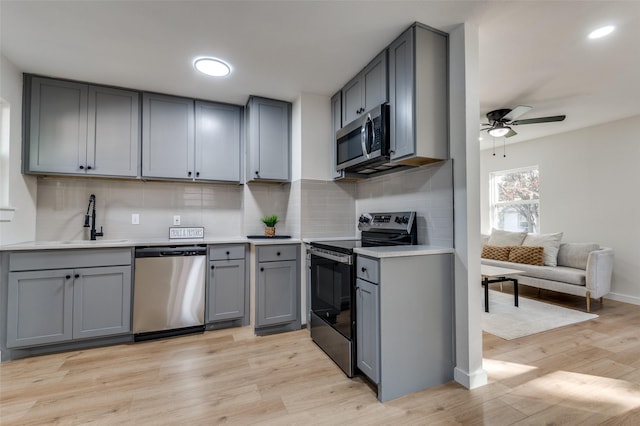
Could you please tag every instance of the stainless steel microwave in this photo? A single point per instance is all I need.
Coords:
(363, 144)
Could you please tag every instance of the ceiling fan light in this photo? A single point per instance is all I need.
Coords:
(499, 132)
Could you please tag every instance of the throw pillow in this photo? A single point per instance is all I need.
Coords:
(550, 242)
(575, 255)
(496, 252)
(506, 238)
(528, 255)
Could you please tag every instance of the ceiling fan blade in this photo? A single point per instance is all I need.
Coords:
(511, 133)
(539, 120)
(516, 112)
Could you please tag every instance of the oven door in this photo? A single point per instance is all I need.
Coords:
(332, 293)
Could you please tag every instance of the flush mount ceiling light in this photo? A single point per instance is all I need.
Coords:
(212, 66)
(601, 32)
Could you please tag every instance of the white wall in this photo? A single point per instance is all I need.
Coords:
(588, 190)
(317, 140)
(22, 190)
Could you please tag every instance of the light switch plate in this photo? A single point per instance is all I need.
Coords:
(135, 219)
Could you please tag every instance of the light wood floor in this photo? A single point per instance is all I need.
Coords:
(583, 374)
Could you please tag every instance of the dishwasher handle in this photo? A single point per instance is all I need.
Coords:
(172, 251)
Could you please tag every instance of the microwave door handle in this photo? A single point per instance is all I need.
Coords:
(364, 136)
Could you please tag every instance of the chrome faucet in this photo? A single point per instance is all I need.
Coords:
(92, 217)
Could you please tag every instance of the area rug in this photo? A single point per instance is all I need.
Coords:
(531, 317)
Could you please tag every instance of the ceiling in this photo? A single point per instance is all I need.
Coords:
(531, 52)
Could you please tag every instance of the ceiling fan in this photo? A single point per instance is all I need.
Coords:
(501, 120)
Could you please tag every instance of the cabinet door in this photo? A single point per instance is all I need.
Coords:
(101, 301)
(402, 96)
(374, 79)
(269, 139)
(113, 139)
(336, 124)
(58, 126)
(276, 293)
(368, 329)
(225, 295)
(167, 137)
(352, 99)
(218, 142)
(39, 308)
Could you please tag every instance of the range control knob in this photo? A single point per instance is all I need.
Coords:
(405, 220)
(364, 219)
(398, 219)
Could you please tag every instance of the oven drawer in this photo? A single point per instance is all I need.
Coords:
(277, 253)
(368, 269)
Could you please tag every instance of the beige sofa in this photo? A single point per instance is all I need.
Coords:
(581, 269)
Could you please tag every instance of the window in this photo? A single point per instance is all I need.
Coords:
(515, 200)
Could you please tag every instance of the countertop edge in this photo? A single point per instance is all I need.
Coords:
(124, 243)
(402, 251)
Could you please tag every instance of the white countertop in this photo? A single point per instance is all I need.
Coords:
(401, 251)
(108, 243)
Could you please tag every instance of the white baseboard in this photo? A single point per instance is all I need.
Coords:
(470, 381)
(623, 298)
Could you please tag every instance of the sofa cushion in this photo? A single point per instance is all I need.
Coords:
(528, 255)
(496, 252)
(553, 273)
(550, 242)
(506, 238)
(575, 255)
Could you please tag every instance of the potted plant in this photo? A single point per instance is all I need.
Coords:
(270, 225)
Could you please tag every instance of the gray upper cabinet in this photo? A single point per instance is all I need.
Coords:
(190, 140)
(268, 140)
(336, 124)
(168, 137)
(218, 142)
(81, 129)
(418, 97)
(366, 90)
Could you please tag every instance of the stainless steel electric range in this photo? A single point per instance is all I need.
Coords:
(333, 310)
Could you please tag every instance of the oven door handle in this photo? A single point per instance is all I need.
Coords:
(346, 259)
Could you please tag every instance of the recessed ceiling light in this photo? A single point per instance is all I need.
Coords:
(601, 32)
(212, 66)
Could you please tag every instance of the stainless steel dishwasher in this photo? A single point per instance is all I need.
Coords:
(168, 297)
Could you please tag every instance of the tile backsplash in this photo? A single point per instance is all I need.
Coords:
(307, 208)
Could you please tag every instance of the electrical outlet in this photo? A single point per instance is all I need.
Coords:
(135, 219)
(176, 220)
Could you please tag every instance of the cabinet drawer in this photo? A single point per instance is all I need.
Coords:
(223, 252)
(368, 269)
(277, 253)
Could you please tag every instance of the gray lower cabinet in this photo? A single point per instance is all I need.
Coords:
(52, 306)
(77, 294)
(418, 97)
(277, 286)
(368, 329)
(80, 129)
(366, 90)
(226, 291)
(405, 322)
(268, 140)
